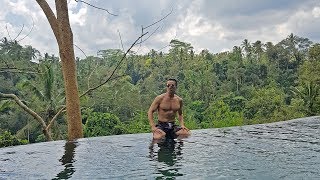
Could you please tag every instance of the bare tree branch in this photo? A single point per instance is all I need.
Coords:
(8, 33)
(96, 7)
(22, 72)
(88, 82)
(167, 44)
(143, 28)
(163, 47)
(28, 32)
(143, 40)
(55, 117)
(19, 32)
(96, 87)
(123, 57)
(159, 20)
(17, 70)
(81, 50)
(148, 36)
(128, 50)
(121, 40)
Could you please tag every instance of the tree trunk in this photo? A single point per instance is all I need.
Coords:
(63, 33)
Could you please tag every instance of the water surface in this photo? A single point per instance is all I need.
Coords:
(283, 150)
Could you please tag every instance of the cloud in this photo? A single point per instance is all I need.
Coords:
(316, 12)
(206, 24)
(78, 17)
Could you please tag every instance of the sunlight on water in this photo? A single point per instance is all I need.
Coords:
(283, 150)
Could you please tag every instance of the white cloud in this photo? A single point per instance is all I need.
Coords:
(19, 7)
(78, 18)
(316, 12)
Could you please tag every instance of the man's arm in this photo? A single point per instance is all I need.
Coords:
(152, 109)
(180, 115)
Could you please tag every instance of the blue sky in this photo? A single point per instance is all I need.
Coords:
(206, 24)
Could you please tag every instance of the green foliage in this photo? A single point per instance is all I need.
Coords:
(138, 124)
(192, 123)
(102, 124)
(5, 105)
(253, 83)
(236, 103)
(6, 139)
(198, 107)
(189, 119)
(295, 110)
(40, 138)
(218, 114)
(309, 72)
(314, 52)
(263, 104)
(308, 92)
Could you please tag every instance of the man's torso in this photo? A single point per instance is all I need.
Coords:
(168, 108)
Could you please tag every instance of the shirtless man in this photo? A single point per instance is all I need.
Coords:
(167, 105)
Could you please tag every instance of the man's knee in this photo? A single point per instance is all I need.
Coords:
(158, 136)
(183, 132)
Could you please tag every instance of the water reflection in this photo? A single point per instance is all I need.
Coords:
(67, 160)
(168, 157)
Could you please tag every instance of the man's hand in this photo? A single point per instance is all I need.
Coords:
(185, 128)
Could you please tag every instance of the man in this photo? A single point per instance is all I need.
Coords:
(167, 105)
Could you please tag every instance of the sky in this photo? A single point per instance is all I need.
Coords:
(206, 24)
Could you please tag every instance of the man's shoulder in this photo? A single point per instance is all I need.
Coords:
(179, 98)
(159, 97)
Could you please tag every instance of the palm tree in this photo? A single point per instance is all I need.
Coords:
(296, 47)
(308, 92)
(47, 92)
(247, 48)
(257, 49)
(30, 52)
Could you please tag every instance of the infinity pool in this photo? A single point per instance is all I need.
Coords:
(283, 150)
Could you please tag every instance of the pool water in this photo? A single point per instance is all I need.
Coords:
(282, 150)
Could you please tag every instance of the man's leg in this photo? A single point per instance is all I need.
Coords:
(158, 134)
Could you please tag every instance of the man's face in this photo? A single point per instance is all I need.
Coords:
(171, 86)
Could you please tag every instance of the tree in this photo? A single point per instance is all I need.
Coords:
(6, 139)
(180, 45)
(308, 92)
(295, 49)
(247, 48)
(257, 49)
(314, 52)
(60, 26)
(263, 104)
(218, 114)
(47, 93)
(102, 124)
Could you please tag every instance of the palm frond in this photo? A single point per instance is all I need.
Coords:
(34, 89)
(49, 82)
(5, 105)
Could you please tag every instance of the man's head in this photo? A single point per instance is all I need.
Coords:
(172, 85)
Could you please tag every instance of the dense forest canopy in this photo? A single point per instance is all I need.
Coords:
(255, 82)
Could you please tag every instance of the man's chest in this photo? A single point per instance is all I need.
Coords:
(172, 105)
